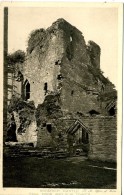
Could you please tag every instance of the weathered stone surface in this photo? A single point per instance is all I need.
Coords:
(62, 76)
(24, 117)
(103, 140)
(62, 50)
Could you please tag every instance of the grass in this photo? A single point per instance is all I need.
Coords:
(64, 173)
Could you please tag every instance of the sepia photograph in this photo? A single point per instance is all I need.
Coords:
(60, 97)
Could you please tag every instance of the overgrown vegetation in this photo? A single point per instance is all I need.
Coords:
(36, 37)
(26, 112)
(17, 104)
(16, 57)
(48, 109)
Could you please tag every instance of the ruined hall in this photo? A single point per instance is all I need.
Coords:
(58, 96)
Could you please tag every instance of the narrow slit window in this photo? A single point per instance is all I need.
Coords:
(45, 88)
(72, 92)
(70, 38)
(28, 91)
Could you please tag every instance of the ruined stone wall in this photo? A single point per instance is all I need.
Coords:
(102, 136)
(103, 139)
(57, 138)
(60, 65)
(62, 61)
(94, 53)
(40, 66)
(79, 87)
(49, 114)
(74, 96)
(23, 115)
(27, 135)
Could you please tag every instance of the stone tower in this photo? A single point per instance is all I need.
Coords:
(61, 62)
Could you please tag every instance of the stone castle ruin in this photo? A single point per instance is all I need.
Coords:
(59, 97)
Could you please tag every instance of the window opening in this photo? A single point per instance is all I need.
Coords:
(58, 62)
(49, 128)
(93, 112)
(45, 88)
(72, 92)
(27, 90)
(59, 77)
(112, 111)
(70, 38)
(44, 124)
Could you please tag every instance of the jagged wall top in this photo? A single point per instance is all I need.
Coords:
(63, 24)
(41, 37)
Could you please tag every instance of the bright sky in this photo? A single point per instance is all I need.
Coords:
(97, 24)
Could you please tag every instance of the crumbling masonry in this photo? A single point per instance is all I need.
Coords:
(61, 98)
